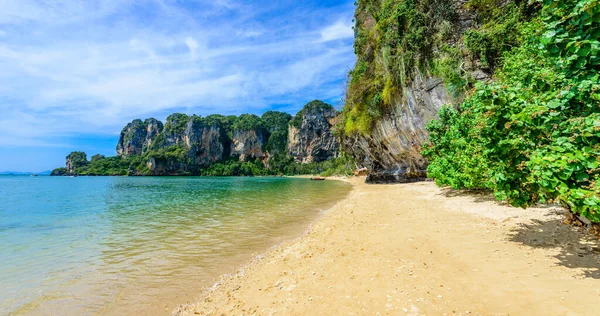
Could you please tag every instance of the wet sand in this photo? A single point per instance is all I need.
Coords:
(418, 249)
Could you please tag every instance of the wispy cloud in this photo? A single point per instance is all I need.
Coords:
(83, 66)
(340, 30)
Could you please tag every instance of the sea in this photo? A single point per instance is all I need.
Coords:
(140, 245)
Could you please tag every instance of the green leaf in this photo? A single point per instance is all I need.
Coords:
(547, 37)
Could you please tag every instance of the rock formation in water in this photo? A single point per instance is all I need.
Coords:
(185, 144)
(74, 161)
(310, 136)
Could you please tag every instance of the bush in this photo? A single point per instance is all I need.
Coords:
(533, 135)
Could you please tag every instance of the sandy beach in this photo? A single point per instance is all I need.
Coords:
(417, 249)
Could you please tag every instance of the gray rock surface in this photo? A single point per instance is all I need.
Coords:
(137, 136)
(310, 135)
(248, 144)
(392, 151)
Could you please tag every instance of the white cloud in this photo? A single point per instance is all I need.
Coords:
(92, 66)
(339, 30)
(192, 46)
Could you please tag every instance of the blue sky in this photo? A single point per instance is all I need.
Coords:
(74, 72)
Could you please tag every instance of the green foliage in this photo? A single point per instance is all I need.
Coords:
(499, 32)
(447, 66)
(171, 153)
(159, 141)
(394, 39)
(111, 166)
(59, 171)
(176, 123)
(221, 121)
(457, 159)
(78, 159)
(246, 122)
(277, 125)
(97, 157)
(235, 168)
(341, 166)
(533, 135)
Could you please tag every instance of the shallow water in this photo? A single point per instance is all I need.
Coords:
(123, 245)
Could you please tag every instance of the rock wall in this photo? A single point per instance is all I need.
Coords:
(167, 167)
(247, 144)
(310, 135)
(153, 128)
(392, 151)
(75, 160)
(137, 136)
(184, 144)
(204, 143)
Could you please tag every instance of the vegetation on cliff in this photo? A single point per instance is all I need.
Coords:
(176, 148)
(312, 106)
(395, 41)
(533, 133)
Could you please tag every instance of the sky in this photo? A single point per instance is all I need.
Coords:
(73, 73)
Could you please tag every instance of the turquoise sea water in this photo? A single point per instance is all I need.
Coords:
(123, 245)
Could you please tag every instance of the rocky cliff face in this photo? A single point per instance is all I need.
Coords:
(411, 60)
(153, 128)
(392, 151)
(137, 137)
(205, 143)
(310, 134)
(75, 160)
(248, 144)
(188, 145)
(167, 167)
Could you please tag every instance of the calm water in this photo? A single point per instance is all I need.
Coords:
(121, 245)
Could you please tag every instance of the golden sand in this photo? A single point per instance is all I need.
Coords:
(417, 249)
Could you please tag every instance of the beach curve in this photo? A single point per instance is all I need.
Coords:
(417, 249)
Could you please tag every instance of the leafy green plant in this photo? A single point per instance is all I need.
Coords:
(176, 123)
(246, 122)
(532, 135)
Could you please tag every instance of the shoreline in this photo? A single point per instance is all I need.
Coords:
(257, 258)
(415, 248)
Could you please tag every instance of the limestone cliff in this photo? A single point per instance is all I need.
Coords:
(185, 144)
(310, 135)
(217, 145)
(74, 161)
(248, 144)
(392, 150)
(137, 137)
(205, 143)
(411, 60)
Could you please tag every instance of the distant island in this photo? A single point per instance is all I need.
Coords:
(275, 143)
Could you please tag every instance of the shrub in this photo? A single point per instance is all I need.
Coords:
(532, 135)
